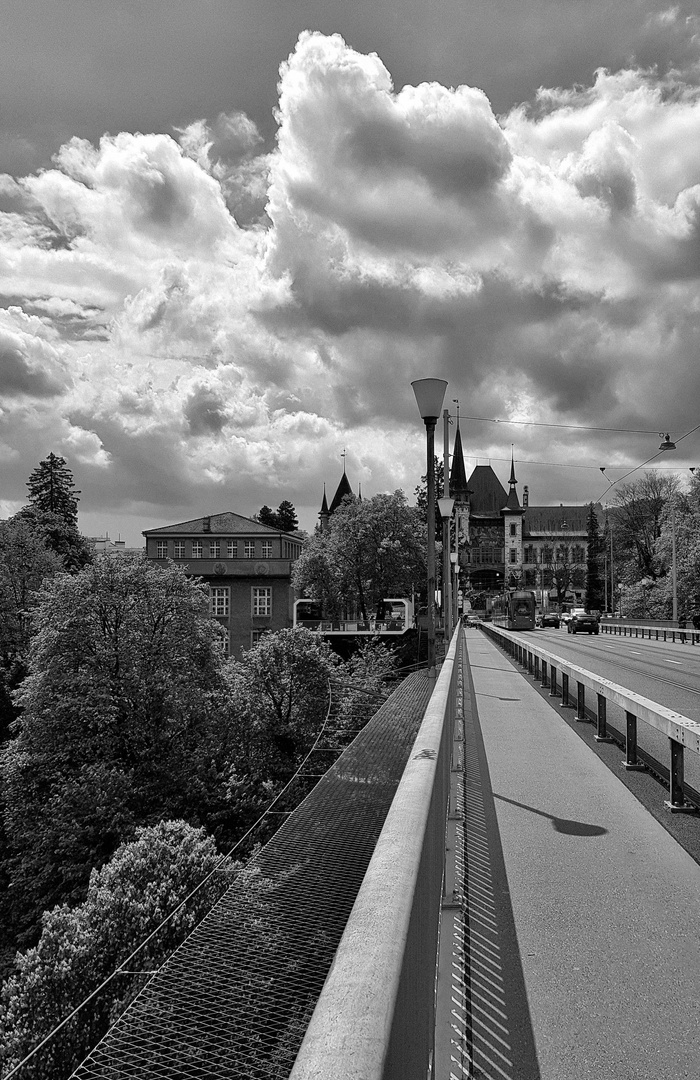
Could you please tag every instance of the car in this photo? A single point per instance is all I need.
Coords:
(583, 621)
(472, 620)
(549, 618)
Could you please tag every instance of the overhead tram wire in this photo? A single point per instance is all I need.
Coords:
(612, 483)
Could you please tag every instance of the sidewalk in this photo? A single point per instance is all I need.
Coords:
(583, 913)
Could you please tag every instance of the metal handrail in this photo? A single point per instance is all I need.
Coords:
(682, 732)
(375, 1017)
(682, 633)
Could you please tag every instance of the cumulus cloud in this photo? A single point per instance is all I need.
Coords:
(200, 323)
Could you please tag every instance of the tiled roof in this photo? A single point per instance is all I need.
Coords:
(550, 518)
(227, 522)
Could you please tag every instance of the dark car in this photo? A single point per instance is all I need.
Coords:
(549, 618)
(583, 622)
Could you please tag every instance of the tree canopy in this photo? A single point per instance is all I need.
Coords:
(284, 518)
(373, 549)
(52, 491)
(121, 723)
(144, 881)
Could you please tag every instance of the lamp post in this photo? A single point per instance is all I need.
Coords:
(674, 601)
(430, 394)
(446, 505)
(453, 581)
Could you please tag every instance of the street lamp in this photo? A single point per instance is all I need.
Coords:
(430, 394)
(446, 505)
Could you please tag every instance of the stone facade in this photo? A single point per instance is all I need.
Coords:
(246, 565)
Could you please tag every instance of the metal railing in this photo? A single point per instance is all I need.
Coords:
(658, 633)
(375, 1018)
(570, 682)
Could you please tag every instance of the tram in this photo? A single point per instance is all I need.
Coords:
(514, 610)
(393, 617)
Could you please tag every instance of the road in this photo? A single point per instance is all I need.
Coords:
(667, 673)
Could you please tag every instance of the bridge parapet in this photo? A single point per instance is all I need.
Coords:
(559, 674)
(375, 1018)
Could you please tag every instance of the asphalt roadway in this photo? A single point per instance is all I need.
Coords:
(583, 912)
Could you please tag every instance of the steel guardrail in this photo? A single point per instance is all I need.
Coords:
(375, 1017)
(682, 634)
(682, 732)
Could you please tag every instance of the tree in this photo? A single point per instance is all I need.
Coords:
(373, 549)
(421, 493)
(52, 491)
(284, 518)
(287, 517)
(638, 508)
(595, 600)
(25, 562)
(60, 536)
(122, 724)
(144, 881)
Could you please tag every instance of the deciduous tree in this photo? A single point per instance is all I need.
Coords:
(121, 723)
(144, 881)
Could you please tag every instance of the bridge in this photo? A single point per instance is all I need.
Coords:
(486, 884)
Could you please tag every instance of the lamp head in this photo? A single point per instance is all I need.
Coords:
(430, 394)
(446, 505)
(666, 444)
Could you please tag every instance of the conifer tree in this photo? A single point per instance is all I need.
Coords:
(51, 489)
(286, 516)
(595, 600)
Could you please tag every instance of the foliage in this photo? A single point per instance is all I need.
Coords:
(682, 513)
(60, 536)
(595, 598)
(144, 881)
(52, 491)
(373, 549)
(638, 509)
(122, 724)
(421, 494)
(280, 687)
(284, 518)
(25, 562)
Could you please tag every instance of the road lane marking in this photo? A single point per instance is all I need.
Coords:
(672, 661)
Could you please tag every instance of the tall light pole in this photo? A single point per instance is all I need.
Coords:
(446, 505)
(430, 394)
(674, 612)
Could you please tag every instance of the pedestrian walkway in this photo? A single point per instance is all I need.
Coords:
(581, 940)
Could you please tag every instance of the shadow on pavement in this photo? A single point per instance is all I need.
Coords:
(561, 825)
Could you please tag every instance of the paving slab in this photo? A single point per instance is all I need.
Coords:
(580, 902)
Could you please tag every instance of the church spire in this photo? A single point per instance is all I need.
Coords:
(513, 503)
(459, 489)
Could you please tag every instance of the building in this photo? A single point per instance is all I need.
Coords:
(247, 566)
(507, 544)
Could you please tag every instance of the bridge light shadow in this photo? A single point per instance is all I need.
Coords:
(568, 826)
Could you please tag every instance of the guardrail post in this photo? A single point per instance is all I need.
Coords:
(580, 701)
(630, 761)
(601, 734)
(536, 661)
(564, 690)
(545, 680)
(552, 681)
(677, 804)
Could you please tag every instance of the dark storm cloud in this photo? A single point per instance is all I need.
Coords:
(19, 376)
(205, 412)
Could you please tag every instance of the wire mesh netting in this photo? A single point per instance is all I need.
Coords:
(234, 1000)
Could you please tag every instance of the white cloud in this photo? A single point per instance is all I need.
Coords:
(206, 324)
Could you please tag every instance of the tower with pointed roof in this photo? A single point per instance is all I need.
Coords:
(342, 490)
(513, 529)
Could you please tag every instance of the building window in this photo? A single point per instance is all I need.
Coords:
(513, 529)
(578, 555)
(257, 634)
(249, 549)
(161, 549)
(513, 555)
(266, 549)
(262, 600)
(530, 578)
(562, 553)
(179, 549)
(231, 549)
(530, 554)
(214, 549)
(196, 549)
(547, 554)
(219, 601)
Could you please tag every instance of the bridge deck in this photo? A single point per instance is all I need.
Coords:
(581, 910)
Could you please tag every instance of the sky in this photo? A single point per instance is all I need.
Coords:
(233, 232)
